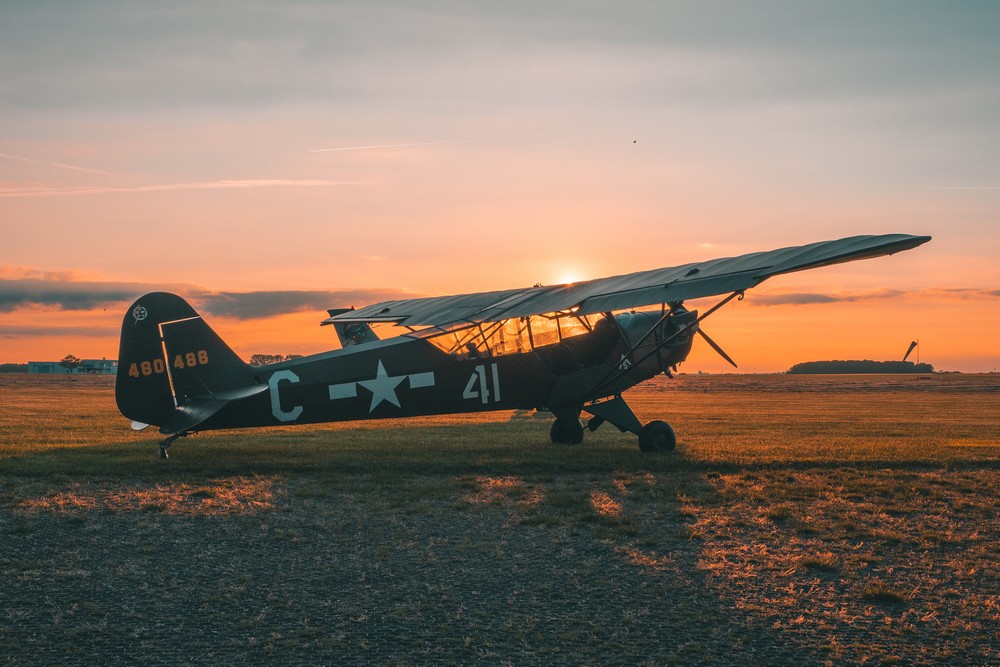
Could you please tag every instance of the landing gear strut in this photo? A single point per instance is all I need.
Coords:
(656, 436)
(165, 443)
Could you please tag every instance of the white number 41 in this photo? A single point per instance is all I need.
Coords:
(479, 382)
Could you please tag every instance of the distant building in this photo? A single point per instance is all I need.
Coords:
(86, 367)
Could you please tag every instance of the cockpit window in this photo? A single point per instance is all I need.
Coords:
(512, 336)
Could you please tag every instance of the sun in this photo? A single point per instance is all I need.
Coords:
(567, 275)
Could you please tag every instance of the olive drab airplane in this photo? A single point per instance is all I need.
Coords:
(570, 349)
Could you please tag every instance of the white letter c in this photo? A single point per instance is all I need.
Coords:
(272, 385)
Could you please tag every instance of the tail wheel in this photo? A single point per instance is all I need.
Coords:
(657, 436)
(566, 432)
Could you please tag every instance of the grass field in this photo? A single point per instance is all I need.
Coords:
(802, 520)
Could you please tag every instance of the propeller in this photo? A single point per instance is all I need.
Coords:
(715, 346)
(677, 309)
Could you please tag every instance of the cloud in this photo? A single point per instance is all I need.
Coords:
(807, 298)
(420, 143)
(963, 293)
(60, 165)
(36, 331)
(214, 54)
(254, 305)
(800, 299)
(65, 294)
(44, 191)
(19, 272)
(60, 290)
(964, 187)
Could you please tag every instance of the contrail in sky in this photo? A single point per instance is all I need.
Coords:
(61, 165)
(420, 143)
(207, 185)
(963, 187)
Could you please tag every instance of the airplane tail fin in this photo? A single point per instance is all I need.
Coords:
(173, 370)
(351, 333)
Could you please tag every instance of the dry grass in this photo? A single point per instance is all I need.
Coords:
(235, 495)
(801, 520)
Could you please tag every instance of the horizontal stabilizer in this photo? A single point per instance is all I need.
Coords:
(189, 417)
(239, 393)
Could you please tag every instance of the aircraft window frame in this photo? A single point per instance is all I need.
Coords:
(581, 327)
(504, 337)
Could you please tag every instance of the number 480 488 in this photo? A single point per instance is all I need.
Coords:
(157, 366)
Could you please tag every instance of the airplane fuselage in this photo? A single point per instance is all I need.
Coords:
(406, 376)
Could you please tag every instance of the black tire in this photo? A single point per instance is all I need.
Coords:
(657, 436)
(566, 432)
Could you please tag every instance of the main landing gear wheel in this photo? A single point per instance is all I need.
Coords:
(657, 436)
(566, 431)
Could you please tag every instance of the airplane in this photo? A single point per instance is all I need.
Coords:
(568, 349)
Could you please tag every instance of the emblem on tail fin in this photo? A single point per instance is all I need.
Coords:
(139, 313)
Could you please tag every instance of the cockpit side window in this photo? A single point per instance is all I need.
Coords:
(513, 336)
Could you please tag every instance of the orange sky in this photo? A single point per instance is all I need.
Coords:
(485, 148)
(956, 330)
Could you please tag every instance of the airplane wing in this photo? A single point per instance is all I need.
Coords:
(633, 290)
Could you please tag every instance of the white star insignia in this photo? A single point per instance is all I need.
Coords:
(383, 387)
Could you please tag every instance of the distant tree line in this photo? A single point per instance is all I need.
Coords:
(866, 366)
(13, 368)
(265, 359)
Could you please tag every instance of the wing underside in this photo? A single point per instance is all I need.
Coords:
(634, 290)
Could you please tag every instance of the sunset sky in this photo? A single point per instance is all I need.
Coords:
(272, 160)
